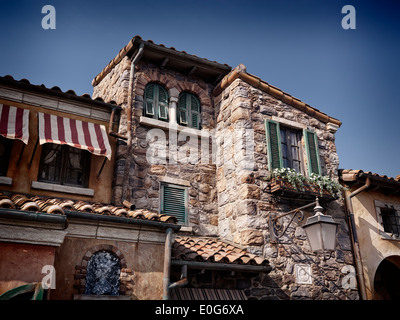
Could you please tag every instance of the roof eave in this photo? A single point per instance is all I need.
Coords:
(135, 42)
(240, 73)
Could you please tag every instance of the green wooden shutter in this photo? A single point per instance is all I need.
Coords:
(174, 202)
(273, 144)
(311, 144)
(195, 112)
(182, 110)
(149, 99)
(162, 103)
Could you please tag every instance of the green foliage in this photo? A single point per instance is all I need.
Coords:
(297, 180)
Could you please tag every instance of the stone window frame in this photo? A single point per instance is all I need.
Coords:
(384, 204)
(126, 275)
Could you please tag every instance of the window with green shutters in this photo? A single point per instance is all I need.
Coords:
(188, 110)
(156, 102)
(174, 202)
(285, 148)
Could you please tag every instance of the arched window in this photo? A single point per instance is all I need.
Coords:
(156, 102)
(103, 273)
(189, 110)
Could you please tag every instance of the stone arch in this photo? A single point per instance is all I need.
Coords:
(105, 247)
(192, 87)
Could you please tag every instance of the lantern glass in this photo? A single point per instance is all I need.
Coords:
(321, 232)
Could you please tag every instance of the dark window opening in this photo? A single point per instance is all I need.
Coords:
(103, 273)
(5, 152)
(62, 164)
(391, 220)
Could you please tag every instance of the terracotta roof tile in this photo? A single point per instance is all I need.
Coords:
(213, 250)
(352, 175)
(25, 83)
(59, 206)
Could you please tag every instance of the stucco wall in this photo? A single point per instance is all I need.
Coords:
(23, 263)
(144, 260)
(374, 249)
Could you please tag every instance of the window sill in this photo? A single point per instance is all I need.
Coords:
(171, 126)
(6, 181)
(388, 236)
(60, 188)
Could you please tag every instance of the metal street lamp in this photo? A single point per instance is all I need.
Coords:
(320, 229)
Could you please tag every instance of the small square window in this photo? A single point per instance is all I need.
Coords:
(174, 202)
(391, 221)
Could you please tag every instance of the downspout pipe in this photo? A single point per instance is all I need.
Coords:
(357, 253)
(167, 286)
(129, 132)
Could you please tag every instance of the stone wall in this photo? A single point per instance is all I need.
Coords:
(181, 167)
(245, 205)
(228, 196)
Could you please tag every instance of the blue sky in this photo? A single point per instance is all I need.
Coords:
(297, 45)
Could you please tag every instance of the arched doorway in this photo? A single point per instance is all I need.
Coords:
(387, 279)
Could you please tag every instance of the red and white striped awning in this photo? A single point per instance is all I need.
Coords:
(14, 123)
(75, 133)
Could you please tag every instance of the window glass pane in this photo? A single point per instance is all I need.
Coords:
(75, 166)
(51, 162)
(295, 153)
(390, 221)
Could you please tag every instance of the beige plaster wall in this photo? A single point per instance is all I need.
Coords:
(373, 247)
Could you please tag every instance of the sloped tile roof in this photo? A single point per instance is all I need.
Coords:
(352, 175)
(213, 250)
(69, 94)
(59, 206)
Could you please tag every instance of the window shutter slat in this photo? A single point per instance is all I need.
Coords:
(174, 203)
(149, 100)
(195, 120)
(273, 144)
(311, 144)
(163, 111)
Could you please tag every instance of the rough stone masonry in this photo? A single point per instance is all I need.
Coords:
(227, 197)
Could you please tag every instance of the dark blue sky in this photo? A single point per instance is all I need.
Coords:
(297, 45)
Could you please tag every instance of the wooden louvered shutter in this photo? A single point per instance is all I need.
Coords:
(311, 144)
(195, 112)
(174, 202)
(182, 110)
(149, 99)
(162, 103)
(273, 144)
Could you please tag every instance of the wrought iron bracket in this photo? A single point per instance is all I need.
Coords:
(277, 228)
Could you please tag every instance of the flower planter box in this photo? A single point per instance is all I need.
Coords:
(282, 187)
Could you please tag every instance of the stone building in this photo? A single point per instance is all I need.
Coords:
(201, 142)
(373, 206)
